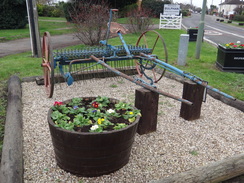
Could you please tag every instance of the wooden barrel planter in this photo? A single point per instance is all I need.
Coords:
(92, 154)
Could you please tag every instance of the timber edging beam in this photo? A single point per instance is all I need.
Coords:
(11, 170)
(215, 172)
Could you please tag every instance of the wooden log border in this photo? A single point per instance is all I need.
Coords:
(12, 153)
(215, 172)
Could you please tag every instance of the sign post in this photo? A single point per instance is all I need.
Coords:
(171, 9)
(171, 18)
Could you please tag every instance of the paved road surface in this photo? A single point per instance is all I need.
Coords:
(217, 32)
(23, 45)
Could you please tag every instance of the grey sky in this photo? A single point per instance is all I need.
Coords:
(198, 3)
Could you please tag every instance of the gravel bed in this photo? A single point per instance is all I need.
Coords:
(177, 146)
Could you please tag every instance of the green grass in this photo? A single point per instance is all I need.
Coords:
(55, 26)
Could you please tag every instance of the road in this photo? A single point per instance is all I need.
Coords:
(23, 45)
(215, 31)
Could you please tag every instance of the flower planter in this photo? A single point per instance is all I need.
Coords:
(192, 34)
(231, 60)
(92, 154)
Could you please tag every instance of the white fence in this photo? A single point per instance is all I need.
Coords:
(170, 21)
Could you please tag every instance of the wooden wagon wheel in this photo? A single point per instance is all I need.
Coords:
(152, 39)
(48, 64)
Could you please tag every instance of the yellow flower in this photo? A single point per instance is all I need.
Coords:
(227, 45)
(131, 113)
(100, 120)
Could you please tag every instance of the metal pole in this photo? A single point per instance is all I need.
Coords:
(200, 31)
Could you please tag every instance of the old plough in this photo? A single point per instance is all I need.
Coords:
(141, 58)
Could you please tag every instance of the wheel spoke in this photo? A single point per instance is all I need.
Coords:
(47, 64)
(154, 41)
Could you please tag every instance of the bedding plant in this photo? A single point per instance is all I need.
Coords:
(237, 45)
(98, 114)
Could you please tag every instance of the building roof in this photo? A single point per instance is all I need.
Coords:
(231, 2)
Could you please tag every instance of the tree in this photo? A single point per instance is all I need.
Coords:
(13, 14)
(155, 6)
(119, 4)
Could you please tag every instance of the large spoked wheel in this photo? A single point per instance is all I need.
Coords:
(48, 64)
(152, 39)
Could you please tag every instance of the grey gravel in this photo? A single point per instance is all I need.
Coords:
(177, 145)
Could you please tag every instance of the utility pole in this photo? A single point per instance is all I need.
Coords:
(34, 28)
(200, 30)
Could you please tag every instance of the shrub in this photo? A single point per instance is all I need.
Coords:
(67, 8)
(185, 13)
(121, 4)
(125, 10)
(47, 10)
(13, 14)
(90, 19)
(51, 11)
(155, 6)
(139, 21)
(238, 18)
(40, 8)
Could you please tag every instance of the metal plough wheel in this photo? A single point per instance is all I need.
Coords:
(48, 64)
(152, 39)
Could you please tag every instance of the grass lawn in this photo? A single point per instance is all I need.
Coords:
(55, 26)
(24, 65)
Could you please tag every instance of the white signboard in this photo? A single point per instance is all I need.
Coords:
(171, 9)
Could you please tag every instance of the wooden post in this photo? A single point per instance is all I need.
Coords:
(34, 28)
(194, 93)
(147, 102)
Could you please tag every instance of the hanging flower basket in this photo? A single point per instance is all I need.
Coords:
(98, 137)
(230, 57)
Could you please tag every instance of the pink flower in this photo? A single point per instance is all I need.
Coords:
(58, 103)
(234, 46)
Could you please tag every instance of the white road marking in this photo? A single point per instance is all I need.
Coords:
(225, 32)
(212, 33)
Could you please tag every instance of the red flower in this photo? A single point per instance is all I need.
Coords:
(58, 103)
(231, 44)
(95, 104)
